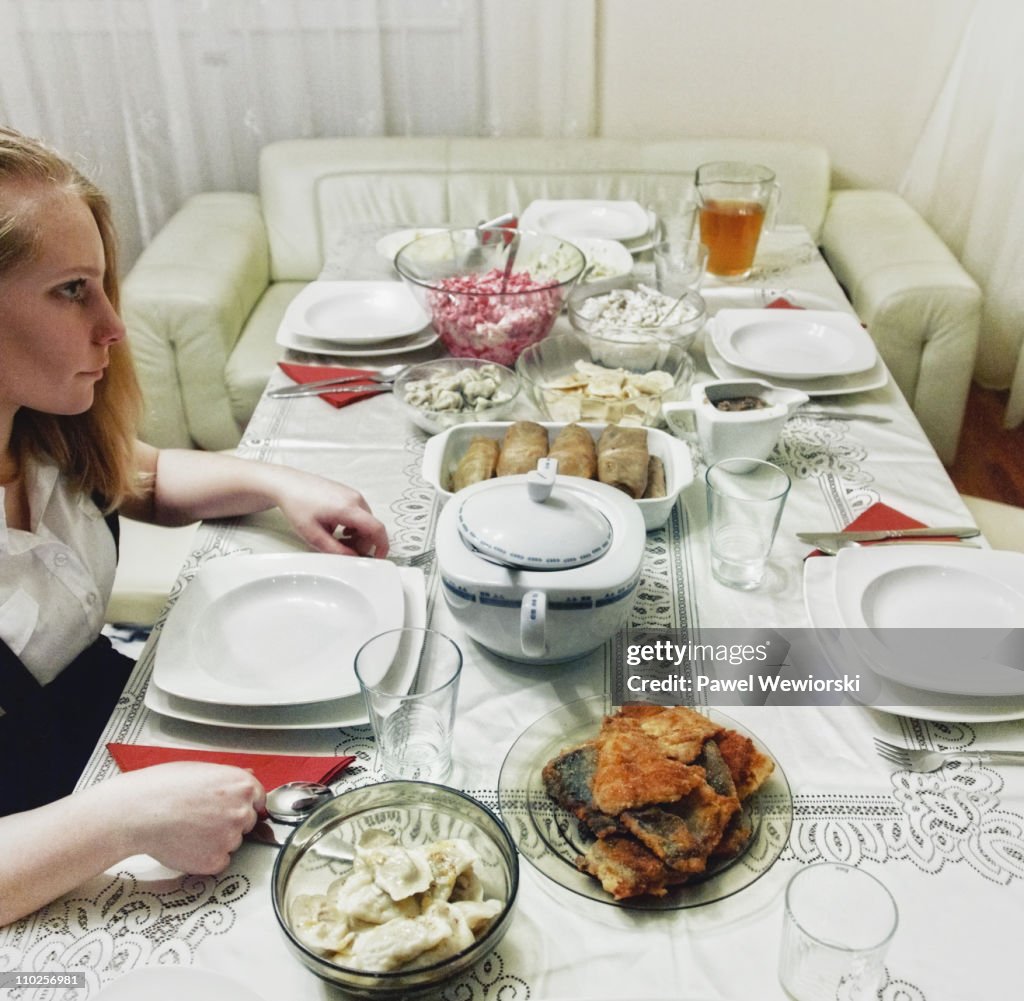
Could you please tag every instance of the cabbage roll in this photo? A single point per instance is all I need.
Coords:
(477, 464)
(656, 485)
(622, 459)
(575, 451)
(526, 443)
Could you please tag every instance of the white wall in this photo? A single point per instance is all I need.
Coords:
(858, 76)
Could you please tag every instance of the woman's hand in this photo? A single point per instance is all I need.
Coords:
(189, 815)
(331, 517)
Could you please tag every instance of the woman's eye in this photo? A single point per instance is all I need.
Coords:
(74, 290)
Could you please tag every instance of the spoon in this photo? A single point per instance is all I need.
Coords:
(385, 375)
(513, 250)
(293, 802)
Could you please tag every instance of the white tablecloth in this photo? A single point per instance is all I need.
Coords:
(949, 845)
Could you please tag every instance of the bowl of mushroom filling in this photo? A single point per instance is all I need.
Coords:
(440, 394)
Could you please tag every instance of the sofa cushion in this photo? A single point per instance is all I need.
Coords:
(257, 351)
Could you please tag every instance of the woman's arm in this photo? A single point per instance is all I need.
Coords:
(189, 816)
(191, 485)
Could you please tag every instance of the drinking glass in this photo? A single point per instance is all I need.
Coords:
(735, 202)
(745, 502)
(680, 264)
(410, 683)
(836, 928)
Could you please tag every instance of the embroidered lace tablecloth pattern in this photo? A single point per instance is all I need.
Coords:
(950, 845)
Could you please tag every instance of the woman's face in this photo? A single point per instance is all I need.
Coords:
(56, 323)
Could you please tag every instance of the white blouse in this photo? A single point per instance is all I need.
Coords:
(56, 579)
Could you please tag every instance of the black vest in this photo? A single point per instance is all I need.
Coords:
(48, 732)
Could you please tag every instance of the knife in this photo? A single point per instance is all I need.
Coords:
(835, 415)
(963, 532)
(367, 385)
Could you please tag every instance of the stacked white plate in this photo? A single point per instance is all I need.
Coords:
(626, 222)
(821, 352)
(355, 318)
(935, 631)
(269, 641)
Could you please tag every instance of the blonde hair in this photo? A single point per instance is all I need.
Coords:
(94, 449)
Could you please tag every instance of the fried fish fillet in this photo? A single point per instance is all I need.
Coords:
(633, 771)
(748, 766)
(685, 833)
(625, 868)
(681, 731)
(567, 780)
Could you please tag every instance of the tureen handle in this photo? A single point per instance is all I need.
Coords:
(533, 613)
(541, 481)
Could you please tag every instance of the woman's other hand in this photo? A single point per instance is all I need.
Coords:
(190, 816)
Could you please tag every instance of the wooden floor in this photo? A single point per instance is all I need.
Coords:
(990, 460)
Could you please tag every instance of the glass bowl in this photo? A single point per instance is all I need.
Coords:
(638, 310)
(457, 276)
(578, 377)
(437, 395)
(318, 852)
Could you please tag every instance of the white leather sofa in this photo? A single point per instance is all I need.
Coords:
(205, 298)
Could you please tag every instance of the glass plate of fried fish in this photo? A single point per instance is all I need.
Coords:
(645, 807)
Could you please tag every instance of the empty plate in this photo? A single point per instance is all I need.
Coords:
(794, 344)
(610, 220)
(936, 618)
(275, 630)
(327, 714)
(355, 313)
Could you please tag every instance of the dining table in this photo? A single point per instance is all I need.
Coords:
(948, 844)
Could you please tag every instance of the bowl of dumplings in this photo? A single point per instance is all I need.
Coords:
(579, 377)
(392, 889)
(437, 395)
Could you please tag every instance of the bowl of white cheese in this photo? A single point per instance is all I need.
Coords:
(391, 889)
(437, 395)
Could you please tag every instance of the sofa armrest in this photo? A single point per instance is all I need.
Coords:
(184, 303)
(922, 308)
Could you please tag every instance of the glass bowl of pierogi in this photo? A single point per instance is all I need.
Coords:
(392, 889)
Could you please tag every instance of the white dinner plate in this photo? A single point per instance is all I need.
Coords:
(887, 696)
(288, 338)
(731, 296)
(355, 313)
(172, 983)
(328, 714)
(586, 217)
(793, 343)
(388, 246)
(935, 618)
(837, 385)
(275, 630)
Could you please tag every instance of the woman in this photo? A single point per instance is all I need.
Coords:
(69, 462)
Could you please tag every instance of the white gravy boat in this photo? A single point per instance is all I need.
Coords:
(732, 434)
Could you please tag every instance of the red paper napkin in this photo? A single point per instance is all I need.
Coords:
(782, 303)
(877, 518)
(314, 373)
(270, 769)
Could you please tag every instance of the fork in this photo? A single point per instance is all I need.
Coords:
(916, 760)
(417, 560)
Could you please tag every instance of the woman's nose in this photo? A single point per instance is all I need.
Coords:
(109, 327)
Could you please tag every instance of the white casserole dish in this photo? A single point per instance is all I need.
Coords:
(443, 452)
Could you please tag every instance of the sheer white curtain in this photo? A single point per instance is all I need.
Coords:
(164, 98)
(967, 178)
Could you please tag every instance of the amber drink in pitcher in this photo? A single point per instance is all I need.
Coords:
(736, 202)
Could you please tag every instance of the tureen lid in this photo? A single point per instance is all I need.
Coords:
(534, 525)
